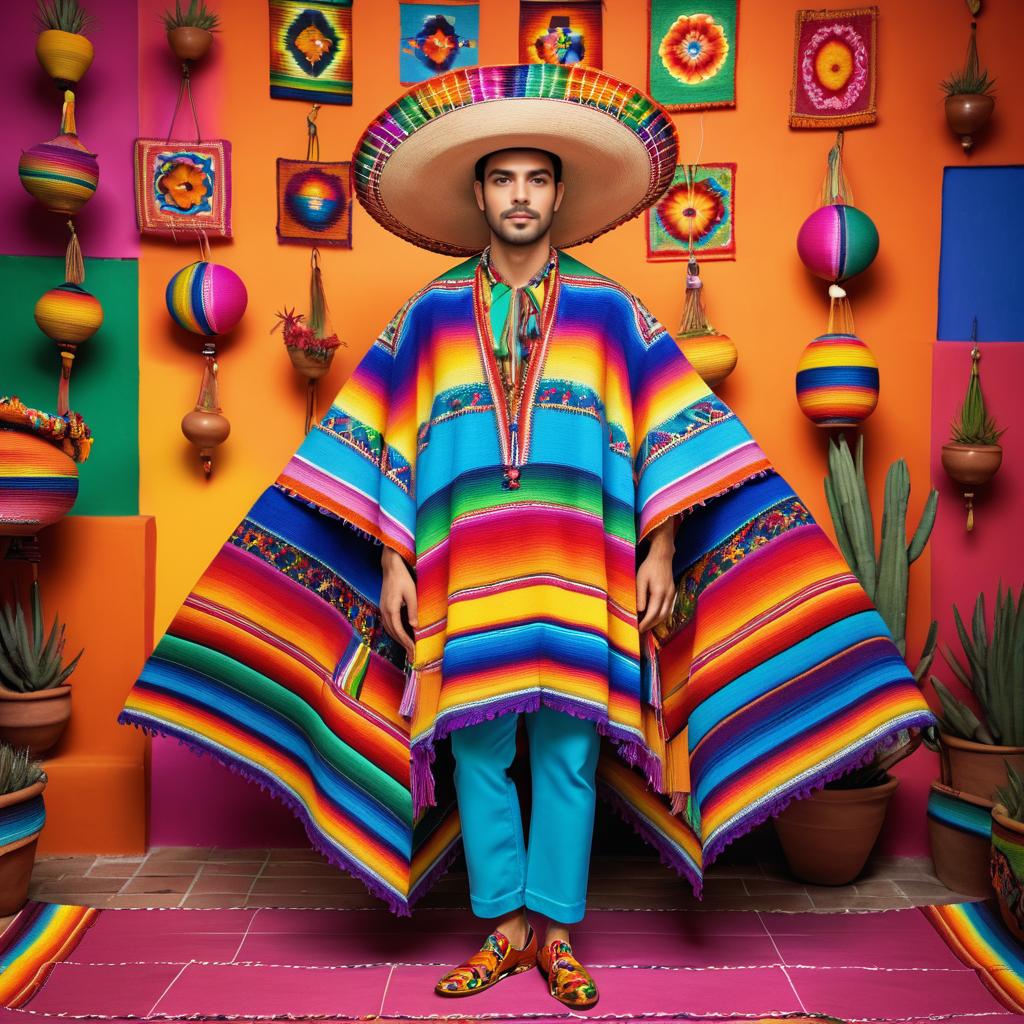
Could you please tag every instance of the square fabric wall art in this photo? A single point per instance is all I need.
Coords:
(698, 208)
(834, 68)
(436, 38)
(311, 51)
(692, 53)
(314, 203)
(183, 186)
(569, 33)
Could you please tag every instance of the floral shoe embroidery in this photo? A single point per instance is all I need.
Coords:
(568, 980)
(494, 960)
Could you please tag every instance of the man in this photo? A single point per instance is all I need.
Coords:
(522, 440)
(519, 191)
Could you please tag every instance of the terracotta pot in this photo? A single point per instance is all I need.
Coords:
(189, 42)
(827, 837)
(977, 767)
(36, 719)
(65, 56)
(960, 837)
(971, 464)
(1007, 869)
(18, 858)
(313, 369)
(967, 113)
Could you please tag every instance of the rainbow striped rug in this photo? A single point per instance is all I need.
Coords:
(955, 964)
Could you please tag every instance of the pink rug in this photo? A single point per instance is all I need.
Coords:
(893, 965)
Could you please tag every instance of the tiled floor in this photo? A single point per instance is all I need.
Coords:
(192, 877)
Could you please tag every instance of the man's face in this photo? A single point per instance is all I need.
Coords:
(518, 195)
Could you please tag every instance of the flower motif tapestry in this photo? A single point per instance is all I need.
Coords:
(183, 186)
(311, 51)
(692, 60)
(568, 33)
(834, 69)
(697, 209)
(436, 38)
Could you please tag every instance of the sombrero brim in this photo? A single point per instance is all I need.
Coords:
(413, 165)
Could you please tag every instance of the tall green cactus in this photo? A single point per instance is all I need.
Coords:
(885, 577)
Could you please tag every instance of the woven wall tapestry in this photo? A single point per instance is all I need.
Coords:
(692, 53)
(552, 33)
(311, 51)
(314, 197)
(697, 212)
(834, 68)
(183, 186)
(437, 38)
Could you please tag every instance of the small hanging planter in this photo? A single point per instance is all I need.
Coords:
(62, 49)
(969, 102)
(973, 455)
(190, 31)
(311, 347)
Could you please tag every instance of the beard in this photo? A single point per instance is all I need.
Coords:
(519, 232)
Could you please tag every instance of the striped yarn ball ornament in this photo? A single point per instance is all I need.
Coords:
(837, 381)
(836, 242)
(38, 483)
(206, 298)
(61, 174)
(68, 314)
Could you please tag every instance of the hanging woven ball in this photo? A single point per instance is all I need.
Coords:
(315, 199)
(837, 381)
(713, 356)
(61, 174)
(68, 314)
(38, 483)
(836, 242)
(206, 298)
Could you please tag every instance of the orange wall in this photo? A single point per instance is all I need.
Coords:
(765, 299)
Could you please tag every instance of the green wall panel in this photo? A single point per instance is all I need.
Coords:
(104, 377)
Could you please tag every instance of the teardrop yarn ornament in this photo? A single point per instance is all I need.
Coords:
(60, 174)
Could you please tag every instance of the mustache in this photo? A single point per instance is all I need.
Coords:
(518, 210)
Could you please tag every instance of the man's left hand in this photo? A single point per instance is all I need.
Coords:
(655, 587)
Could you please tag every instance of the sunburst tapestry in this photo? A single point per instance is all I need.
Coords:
(437, 38)
(697, 208)
(311, 51)
(692, 59)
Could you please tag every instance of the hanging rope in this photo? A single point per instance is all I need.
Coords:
(835, 188)
(183, 87)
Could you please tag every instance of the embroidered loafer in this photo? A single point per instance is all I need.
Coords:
(497, 958)
(568, 980)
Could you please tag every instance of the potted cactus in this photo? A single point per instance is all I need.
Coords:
(190, 31)
(975, 748)
(62, 47)
(969, 99)
(22, 816)
(973, 455)
(1007, 864)
(35, 698)
(827, 837)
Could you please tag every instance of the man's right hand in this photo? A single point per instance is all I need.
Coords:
(398, 591)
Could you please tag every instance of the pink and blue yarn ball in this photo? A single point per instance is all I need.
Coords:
(838, 241)
(315, 199)
(206, 298)
(837, 381)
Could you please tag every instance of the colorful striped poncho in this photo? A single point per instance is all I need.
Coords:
(773, 675)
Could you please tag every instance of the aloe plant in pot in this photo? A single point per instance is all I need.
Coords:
(35, 697)
(62, 47)
(974, 747)
(828, 836)
(22, 816)
(969, 99)
(190, 30)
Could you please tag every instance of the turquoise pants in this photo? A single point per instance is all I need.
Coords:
(551, 876)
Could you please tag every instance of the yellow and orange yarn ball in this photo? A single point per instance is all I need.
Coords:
(69, 314)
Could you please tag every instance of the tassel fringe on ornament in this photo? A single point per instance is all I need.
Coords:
(311, 347)
(711, 354)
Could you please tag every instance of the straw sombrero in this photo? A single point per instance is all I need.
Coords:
(413, 165)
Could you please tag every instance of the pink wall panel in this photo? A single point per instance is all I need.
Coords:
(107, 116)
